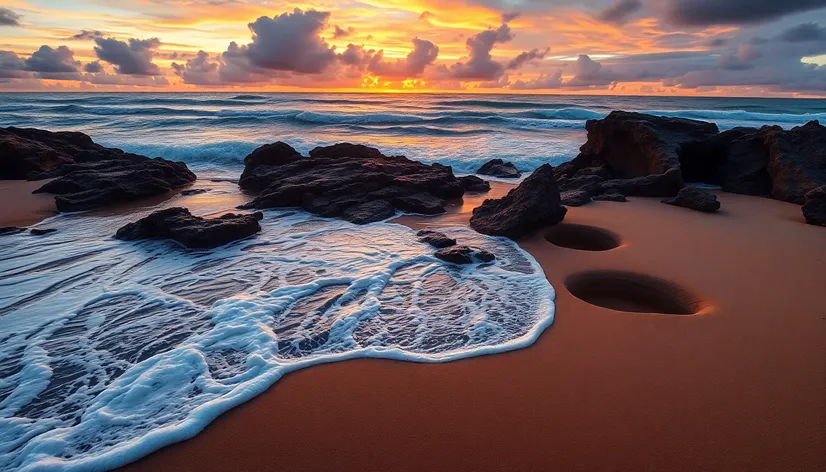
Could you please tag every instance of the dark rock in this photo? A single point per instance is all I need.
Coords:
(566, 169)
(586, 183)
(814, 208)
(533, 204)
(194, 191)
(499, 168)
(88, 174)
(464, 255)
(368, 212)
(192, 231)
(695, 199)
(653, 185)
(770, 161)
(575, 198)
(42, 231)
(642, 148)
(484, 256)
(11, 230)
(435, 239)
(423, 203)
(610, 197)
(341, 180)
(797, 160)
(471, 183)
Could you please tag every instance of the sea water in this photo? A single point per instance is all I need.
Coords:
(112, 349)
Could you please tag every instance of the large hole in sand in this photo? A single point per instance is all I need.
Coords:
(632, 292)
(583, 238)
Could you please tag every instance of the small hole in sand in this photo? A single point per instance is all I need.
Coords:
(632, 292)
(583, 238)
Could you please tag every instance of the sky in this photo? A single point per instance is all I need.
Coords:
(634, 47)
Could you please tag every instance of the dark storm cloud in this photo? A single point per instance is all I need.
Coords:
(620, 11)
(133, 58)
(11, 66)
(480, 65)
(9, 18)
(291, 42)
(803, 33)
(711, 12)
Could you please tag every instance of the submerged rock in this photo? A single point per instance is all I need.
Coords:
(435, 239)
(194, 191)
(42, 231)
(192, 231)
(88, 174)
(695, 199)
(533, 204)
(464, 255)
(349, 181)
(814, 208)
(11, 230)
(499, 168)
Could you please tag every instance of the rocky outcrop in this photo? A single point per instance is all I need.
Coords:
(464, 255)
(814, 207)
(88, 175)
(533, 204)
(349, 181)
(769, 161)
(192, 231)
(435, 239)
(7, 230)
(499, 168)
(636, 146)
(575, 198)
(42, 231)
(695, 199)
(471, 183)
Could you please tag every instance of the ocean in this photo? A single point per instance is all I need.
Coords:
(214, 131)
(110, 350)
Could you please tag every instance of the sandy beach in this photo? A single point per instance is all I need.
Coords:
(739, 385)
(20, 207)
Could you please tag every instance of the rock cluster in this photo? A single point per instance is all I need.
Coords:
(192, 231)
(88, 175)
(464, 255)
(349, 181)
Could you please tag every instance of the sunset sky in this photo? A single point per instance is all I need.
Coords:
(661, 47)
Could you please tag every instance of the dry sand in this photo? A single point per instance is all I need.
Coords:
(740, 386)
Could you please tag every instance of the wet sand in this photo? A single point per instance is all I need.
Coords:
(741, 385)
(20, 207)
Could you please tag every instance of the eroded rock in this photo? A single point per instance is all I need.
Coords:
(814, 207)
(435, 239)
(531, 205)
(349, 181)
(191, 231)
(464, 255)
(499, 168)
(695, 199)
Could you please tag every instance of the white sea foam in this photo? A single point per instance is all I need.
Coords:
(110, 350)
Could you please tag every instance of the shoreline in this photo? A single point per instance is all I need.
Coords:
(738, 386)
(20, 207)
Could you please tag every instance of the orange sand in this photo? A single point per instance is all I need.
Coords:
(20, 207)
(741, 386)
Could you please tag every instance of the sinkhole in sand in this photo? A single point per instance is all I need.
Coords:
(632, 292)
(581, 237)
